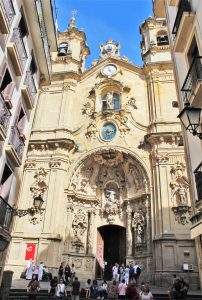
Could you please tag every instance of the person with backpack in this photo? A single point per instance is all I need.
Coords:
(137, 272)
(33, 287)
(131, 272)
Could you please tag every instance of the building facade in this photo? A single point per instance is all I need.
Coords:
(24, 60)
(185, 27)
(106, 155)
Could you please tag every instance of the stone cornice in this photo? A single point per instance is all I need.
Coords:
(52, 144)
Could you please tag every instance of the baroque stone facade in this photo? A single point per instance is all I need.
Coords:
(111, 148)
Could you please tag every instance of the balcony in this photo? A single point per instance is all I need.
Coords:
(29, 90)
(192, 87)
(7, 14)
(17, 52)
(182, 25)
(15, 147)
(6, 214)
(5, 115)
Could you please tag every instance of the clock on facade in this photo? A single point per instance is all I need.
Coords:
(108, 131)
(109, 70)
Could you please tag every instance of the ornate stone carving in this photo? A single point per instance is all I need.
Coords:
(39, 187)
(37, 217)
(138, 223)
(79, 226)
(88, 108)
(132, 103)
(30, 164)
(179, 193)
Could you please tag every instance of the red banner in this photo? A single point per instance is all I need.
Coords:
(100, 250)
(30, 251)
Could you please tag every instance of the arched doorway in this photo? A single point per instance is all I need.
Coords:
(111, 249)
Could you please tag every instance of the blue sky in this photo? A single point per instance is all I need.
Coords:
(107, 19)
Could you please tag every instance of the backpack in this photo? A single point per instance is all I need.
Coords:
(131, 271)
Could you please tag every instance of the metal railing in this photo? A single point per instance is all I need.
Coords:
(8, 9)
(17, 141)
(6, 214)
(5, 114)
(30, 84)
(194, 75)
(198, 180)
(20, 46)
(184, 6)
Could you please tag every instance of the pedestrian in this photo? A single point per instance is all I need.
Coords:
(29, 270)
(61, 289)
(73, 272)
(122, 289)
(115, 270)
(131, 272)
(67, 273)
(53, 286)
(137, 272)
(33, 287)
(126, 274)
(131, 292)
(41, 269)
(75, 289)
(36, 271)
(61, 270)
(121, 273)
(146, 294)
(94, 290)
(87, 288)
(112, 290)
(103, 290)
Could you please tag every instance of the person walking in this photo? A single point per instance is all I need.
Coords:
(73, 272)
(115, 270)
(29, 270)
(41, 268)
(126, 274)
(53, 286)
(61, 271)
(122, 289)
(94, 290)
(76, 286)
(87, 288)
(131, 272)
(61, 289)
(67, 273)
(33, 287)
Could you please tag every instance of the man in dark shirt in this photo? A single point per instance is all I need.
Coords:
(75, 289)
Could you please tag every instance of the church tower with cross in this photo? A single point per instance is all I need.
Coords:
(107, 145)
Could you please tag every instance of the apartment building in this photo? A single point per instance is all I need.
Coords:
(27, 37)
(184, 19)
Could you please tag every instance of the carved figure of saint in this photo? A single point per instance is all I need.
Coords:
(139, 233)
(109, 100)
(111, 196)
(182, 195)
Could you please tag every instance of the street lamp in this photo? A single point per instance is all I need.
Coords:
(36, 208)
(191, 119)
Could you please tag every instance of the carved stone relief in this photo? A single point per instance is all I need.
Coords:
(79, 226)
(39, 186)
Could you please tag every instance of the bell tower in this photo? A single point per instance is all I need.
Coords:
(155, 43)
(72, 49)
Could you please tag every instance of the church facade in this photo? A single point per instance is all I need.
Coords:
(106, 155)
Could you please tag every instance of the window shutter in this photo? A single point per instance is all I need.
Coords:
(198, 179)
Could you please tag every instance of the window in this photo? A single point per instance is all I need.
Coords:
(33, 66)
(6, 182)
(162, 38)
(193, 51)
(198, 180)
(63, 49)
(7, 88)
(111, 101)
(23, 25)
(21, 123)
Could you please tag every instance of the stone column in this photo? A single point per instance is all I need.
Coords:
(128, 232)
(68, 228)
(148, 223)
(89, 248)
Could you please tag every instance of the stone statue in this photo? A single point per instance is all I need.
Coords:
(139, 233)
(111, 196)
(138, 223)
(109, 100)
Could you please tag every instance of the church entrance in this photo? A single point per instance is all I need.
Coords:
(111, 249)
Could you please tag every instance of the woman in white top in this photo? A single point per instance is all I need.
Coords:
(146, 294)
(126, 274)
(60, 289)
(29, 270)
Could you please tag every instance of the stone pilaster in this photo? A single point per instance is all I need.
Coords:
(128, 232)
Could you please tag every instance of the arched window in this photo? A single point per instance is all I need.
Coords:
(111, 102)
(162, 38)
(63, 49)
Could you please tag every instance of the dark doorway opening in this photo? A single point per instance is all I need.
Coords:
(114, 248)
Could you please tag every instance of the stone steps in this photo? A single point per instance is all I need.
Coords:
(20, 294)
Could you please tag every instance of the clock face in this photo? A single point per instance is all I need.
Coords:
(109, 70)
(108, 131)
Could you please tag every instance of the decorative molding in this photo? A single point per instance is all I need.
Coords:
(39, 187)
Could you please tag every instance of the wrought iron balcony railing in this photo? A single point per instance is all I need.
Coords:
(30, 84)
(6, 214)
(198, 180)
(20, 46)
(184, 6)
(194, 75)
(5, 114)
(17, 141)
(8, 10)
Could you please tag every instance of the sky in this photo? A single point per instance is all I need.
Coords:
(107, 19)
